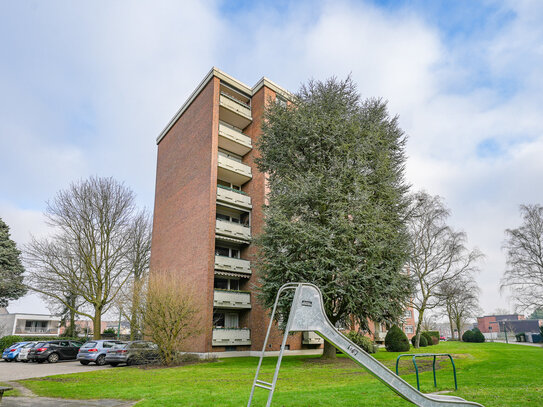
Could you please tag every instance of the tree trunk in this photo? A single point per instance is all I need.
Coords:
(97, 324)
(329, 351)
(418, 331)
(72, 323)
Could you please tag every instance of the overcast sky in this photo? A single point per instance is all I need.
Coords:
(86, 87)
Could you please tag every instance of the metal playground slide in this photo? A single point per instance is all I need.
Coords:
(307, 314)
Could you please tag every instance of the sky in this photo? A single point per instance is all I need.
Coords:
(86, 87)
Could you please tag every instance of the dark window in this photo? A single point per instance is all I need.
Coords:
(235, 253)
(218, 319)
(89, 345)
(222, 251)
(230, 348)
(234, 284)
(223, 217)
(223, 183)
(221, 283)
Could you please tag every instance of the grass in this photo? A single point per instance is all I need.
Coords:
(10, 393)
(492, 374)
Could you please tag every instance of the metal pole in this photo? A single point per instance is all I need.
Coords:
(119, 327)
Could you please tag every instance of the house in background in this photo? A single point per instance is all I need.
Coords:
(28, 324)
(494, 326)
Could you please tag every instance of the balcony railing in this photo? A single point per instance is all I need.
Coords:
(231, 196)
(233, 171)
(231, 299)
(231, 139)
(233, 230)
(234, 111)
(311, 338)
(232, 264)
(231, 336)
(31, 331)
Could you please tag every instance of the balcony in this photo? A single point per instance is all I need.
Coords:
(233, 171)
(232, 230)
(231, 299)
(232, 264)
(233, 197)
(232, 139)
(311, 338)
(36, 331)
(234, 111)
(231, 336)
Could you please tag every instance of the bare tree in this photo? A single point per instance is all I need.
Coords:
(137, 262)
(460, 301)
(524, 251)
(438, 254)
(169, 314)
(87, 255)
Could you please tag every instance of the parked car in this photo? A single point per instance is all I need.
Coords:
(95, 351)
(11, 352)
(132, 353)
(23, 352)
(53, 351)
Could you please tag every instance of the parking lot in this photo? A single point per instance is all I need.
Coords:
(18, 370)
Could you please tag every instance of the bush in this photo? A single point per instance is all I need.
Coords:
(467, 336)
(396, 341)
(429, 340)
(363, 341)
(478, 336)
(422, 342)
(435, 336)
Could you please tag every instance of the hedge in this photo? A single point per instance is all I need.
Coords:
(435, 336)
(422, 341)
(363, 341)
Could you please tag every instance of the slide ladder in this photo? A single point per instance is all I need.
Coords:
(307, 314)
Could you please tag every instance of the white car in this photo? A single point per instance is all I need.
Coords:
(23, 354)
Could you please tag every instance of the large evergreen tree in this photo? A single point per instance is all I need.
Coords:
(337, 203)
(11, 269)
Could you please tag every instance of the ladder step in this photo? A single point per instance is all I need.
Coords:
(263, 382)
(263, 387)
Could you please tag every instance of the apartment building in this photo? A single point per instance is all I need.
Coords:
(208, 207)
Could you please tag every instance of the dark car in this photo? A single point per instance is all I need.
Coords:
(132, 353)
(95, 351)
(53, 351)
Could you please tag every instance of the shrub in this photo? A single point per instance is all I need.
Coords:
(468, 336)
(363, 341)
(422, 341)
(429, 340)
(435, 336)
(478, 336)
(170, 315)
(8, 341)
(396, 341)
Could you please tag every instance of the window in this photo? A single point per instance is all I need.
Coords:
(226, 252)
(408, 329)
(408, 313)
(226, 284)
(222, 217)
(228, 154)
(281, 101)
(221, 283)
(218, 320)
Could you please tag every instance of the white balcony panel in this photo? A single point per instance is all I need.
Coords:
(231, 264)
(233, 112)
(233, 171)
(231, 337)
(311, 338)
(233, 197)
(231, 229)
(231, 299)
(234, 140)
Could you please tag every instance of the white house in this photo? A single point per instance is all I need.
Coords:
(28, 324)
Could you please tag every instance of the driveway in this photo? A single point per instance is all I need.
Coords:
(17, 370)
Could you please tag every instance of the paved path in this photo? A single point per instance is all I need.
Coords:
(18, 370)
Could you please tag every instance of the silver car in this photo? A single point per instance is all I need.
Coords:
(133, 353)
(95, 351)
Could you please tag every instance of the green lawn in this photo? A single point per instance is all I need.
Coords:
(492, 374)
